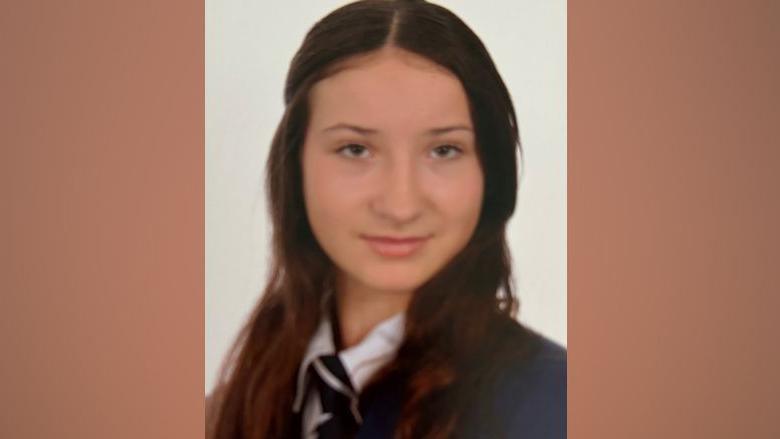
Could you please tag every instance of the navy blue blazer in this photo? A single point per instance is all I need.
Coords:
(528, 402)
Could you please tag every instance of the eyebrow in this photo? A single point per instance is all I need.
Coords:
(369, 131)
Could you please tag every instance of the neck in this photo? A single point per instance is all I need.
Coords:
(360, 309)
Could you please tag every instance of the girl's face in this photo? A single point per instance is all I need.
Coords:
(392, 182)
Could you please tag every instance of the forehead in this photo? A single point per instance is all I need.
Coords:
(391, 90)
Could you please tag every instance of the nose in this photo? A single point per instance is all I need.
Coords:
(400, 197)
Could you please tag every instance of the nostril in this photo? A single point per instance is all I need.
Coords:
(400, 199)
(397, 211)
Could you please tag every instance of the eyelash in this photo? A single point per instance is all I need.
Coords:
(450, 147)
(348, 147)
(457, 149)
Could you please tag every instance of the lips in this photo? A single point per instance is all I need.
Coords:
(395, 247)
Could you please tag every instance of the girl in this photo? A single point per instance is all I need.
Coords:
(389, 311)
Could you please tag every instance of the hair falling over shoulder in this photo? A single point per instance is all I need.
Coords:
(454, 318)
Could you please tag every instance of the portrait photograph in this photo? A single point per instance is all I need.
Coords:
(386, 219)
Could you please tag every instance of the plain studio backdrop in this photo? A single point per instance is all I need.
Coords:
(249, 45)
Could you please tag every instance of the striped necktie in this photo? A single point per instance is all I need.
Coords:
(340, 414)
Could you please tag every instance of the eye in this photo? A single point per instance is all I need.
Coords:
(353, 150)
(447, 151)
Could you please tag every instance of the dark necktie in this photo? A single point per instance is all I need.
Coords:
(340, 415)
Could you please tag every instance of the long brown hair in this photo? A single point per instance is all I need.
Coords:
(454, 316)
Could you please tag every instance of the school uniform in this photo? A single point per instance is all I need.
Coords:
(528, 400)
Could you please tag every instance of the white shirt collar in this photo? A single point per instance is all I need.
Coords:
(360, 361)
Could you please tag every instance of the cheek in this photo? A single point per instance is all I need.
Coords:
(460, 199)
(328, 198)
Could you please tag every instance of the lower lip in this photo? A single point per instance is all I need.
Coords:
(395, 249)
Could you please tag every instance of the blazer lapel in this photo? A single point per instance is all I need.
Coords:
(381, 410)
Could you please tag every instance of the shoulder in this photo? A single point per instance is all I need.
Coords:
(527, 396)
(530, 397)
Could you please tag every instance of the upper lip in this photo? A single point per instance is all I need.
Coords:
(395, 239)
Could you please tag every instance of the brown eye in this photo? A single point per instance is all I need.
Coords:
(353, 150)
(447, 151)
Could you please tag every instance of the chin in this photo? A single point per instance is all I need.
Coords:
(392, 282)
